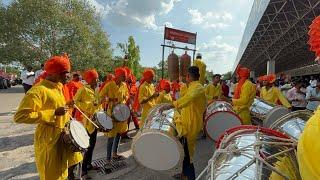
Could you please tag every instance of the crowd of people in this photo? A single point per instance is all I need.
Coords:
(52, 100)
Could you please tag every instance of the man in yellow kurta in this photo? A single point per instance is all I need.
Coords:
(202, 68)
(87, 99)
(146, 95)
(116, 91)
(192, 106)
(244, 95)
(272, 94)
(45, 106)
(164, 95)
(214, 90)
(309, 148)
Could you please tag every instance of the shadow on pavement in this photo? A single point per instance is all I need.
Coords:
(6, 114)
(11, 143)
(26, 168)
(14, 89)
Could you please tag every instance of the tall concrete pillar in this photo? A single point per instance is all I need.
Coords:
(271, 67)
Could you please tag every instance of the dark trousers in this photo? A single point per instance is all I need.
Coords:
(297, 108)
(187, 167)
(113, 145)
(26, 87)
(87, 158)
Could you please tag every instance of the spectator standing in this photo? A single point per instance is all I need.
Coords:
(297, 97)
(313, 97)
(27, 77)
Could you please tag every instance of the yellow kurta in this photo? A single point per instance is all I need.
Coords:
(213, 92)
(309, 149)
(146, 90)
(242, 105)
(85, 99)
(273, 95)
(183, 89)
(52, 156)
(192, 106)
(202, 70)
(164, 98)
(121, 92)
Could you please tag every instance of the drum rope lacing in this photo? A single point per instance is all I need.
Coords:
(256, 157)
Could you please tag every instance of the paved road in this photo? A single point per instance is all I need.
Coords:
(17, 155)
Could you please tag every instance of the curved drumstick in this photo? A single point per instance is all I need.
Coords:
(85, 116)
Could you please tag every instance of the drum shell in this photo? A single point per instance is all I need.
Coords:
(173, 67)
(156, 124)
(266, 113)
(67, 139)
(97, 122)
(185, 63)
(227, 162)
(292, 124)
(126, 114)
(219, 117)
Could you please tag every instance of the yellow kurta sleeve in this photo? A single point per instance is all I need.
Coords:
(183, 90)
(246, 93)
(86, 106)
(209, 92)
(188, 98)
(30, 111)
(164, 98)
(283, 99)
(202, 70)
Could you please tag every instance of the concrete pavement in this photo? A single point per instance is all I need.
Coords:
(17, 154)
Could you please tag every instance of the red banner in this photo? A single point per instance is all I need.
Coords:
(180, 36)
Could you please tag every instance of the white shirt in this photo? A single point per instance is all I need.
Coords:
(312, 105)
(38, 73)
(25, 79)
(297, 99)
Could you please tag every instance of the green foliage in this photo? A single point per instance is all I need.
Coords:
(133, 54)
(34, 30)
(227, 76)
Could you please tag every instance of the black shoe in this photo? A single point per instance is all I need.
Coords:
(177, 176)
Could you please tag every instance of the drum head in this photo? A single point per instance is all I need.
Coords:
(79, 134)
(157, 151)
(275, 114)
(104, 120)
(218, 122)
(293, 123)
(121, 112)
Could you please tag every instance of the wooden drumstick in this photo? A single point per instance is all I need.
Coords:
(86, 116)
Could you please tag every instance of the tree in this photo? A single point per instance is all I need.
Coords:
(38, 29)
(227, 75)
(133, 54)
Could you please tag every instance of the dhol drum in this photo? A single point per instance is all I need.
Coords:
(267, 113)
(219, 117)
(76, 136)
(292, 124)
(156, 146)
(103, 121)
(121, 112)
(251, 152)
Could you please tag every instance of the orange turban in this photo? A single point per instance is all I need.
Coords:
(271, 78)
(57, 65)
(243, 74)
(120, 72)
(128, 70)
(165, 85)
(148, 74)
(90, 75)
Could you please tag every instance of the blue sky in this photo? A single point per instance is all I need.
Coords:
(219, 24)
